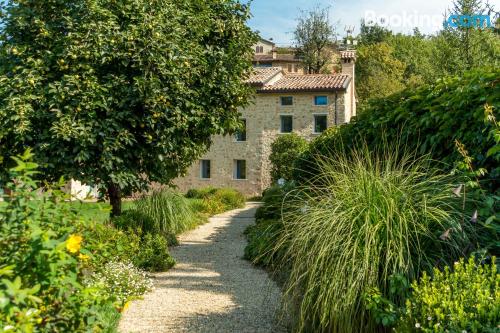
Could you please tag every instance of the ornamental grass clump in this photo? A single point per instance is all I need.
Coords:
(165, 212)
(368, 216)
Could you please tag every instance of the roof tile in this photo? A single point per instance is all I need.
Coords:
(261, 76)
(316, 82)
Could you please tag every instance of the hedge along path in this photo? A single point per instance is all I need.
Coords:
(212, 288)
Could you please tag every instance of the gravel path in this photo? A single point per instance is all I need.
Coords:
(212, 288)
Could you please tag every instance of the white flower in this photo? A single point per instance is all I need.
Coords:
(429, 318)
(417, 325)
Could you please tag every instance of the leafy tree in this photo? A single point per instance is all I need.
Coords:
(459, 49)
(373, 33)
(315, 37)
(416, 52)
(378, 72)
(119, 94)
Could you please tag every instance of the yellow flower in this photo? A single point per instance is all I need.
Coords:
(74, 243)
(83, 257)
(125, 307)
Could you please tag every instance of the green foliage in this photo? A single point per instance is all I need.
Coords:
(230, 198)
(418, 56)
(486, 199)
(164, 212)
(384, 311)
(201, 193)
(214, 201)
(372, 33)
(285, 150)
(273, 200)
(153, 254)
(314, 37)
(106, 243)
(120, 279)
(262, 238)
(424, 59)
(120, 93)
(465, 299)
(41, 261)
(464, 48)
(379, 73)
(368, 216)
(428, 120)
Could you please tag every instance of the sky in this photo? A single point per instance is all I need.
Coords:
(277, 18)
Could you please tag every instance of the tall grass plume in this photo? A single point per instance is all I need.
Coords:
(366, 216)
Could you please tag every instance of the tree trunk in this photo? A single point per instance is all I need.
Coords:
(115, 199)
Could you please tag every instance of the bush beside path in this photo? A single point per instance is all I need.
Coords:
(212, 288)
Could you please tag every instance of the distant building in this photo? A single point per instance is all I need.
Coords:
(284, 102)
(267, 55)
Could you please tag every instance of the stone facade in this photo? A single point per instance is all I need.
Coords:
(263, 125)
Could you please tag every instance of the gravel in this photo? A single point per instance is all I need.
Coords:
(212, 288)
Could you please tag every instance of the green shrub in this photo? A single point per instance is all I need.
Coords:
(164, 212)
(272, 201)
(201, 193)
(466, 299)
(153, 255)
(230, 198)
(42, 261)
(106, 243)
(373, 216)
(262, 239)
(285, 150)
(214, 201)
(428, 120)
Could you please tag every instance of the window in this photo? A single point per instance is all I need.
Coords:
(320, 100)
(259, 49)
(205, 169)
(320, 123)
(241, 135)
(290, 68)
(286, 124)
(240, 169)
(296, 68)
(286, 101)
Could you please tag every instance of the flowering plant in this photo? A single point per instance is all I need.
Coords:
(122, 280)
(41, 259)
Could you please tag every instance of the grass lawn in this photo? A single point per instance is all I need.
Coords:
(97, 211)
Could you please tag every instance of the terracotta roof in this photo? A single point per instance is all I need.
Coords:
(315, 82)
(261, 76)
(279, 57)
(348, 54)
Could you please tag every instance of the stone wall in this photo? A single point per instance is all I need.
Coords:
(263, 127)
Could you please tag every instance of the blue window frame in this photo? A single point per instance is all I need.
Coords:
(320, 100)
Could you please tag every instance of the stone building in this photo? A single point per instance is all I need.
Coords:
(267, 55)
(283, 103)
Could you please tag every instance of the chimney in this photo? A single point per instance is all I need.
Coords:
(275, 53)
(348, 62)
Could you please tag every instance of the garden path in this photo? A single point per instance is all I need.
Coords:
(212, 288)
